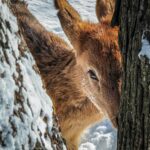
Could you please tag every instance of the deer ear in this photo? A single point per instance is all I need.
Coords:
(64, 5)
(70, 21)
(105, 10)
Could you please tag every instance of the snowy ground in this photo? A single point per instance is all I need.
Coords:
(101, 136)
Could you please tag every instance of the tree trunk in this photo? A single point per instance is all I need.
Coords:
(26, 114)
(133, 17)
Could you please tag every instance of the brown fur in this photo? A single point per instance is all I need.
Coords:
(105, 9)
(96, 49)
(64, 70)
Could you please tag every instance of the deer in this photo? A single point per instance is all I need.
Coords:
(83, 81)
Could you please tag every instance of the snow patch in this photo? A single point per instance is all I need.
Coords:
(46, 13)
(100, 136)
(145, 50)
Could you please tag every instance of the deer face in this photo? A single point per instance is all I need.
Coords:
(100, 59)
(97, 53)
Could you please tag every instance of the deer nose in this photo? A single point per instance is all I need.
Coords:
(115, 122)
(113, 88)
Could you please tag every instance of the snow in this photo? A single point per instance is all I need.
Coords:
(101, 136)
(145, 50)
(46, 13)
(21, 119)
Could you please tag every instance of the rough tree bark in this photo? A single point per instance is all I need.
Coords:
(133, 17)
(26, 114)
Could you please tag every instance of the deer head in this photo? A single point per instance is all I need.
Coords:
(97, 52)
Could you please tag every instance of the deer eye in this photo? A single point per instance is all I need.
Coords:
(92, 75)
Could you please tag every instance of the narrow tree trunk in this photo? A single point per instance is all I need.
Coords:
(26, 114)
(133, 16)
